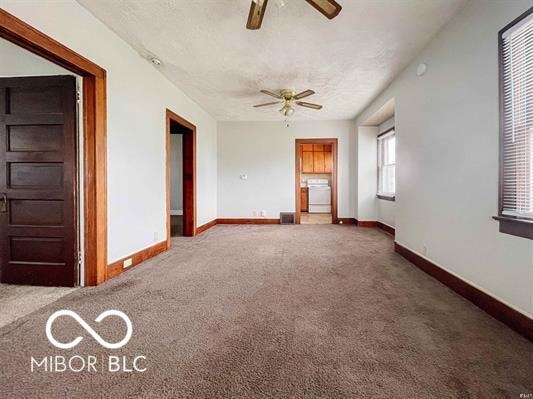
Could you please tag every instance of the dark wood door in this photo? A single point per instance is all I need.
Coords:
(38, 221)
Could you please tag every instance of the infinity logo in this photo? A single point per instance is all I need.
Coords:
(88, 328)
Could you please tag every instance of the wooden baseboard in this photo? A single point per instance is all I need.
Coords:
(247, 221)
(346, 220)
(519, 322)
(116, 268)
(206, 226)
(366, 223)
(389, 229)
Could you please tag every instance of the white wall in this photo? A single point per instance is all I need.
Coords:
(265, 151)
(137, 96)
(386, 210)
(176, 172)
(16, 61)
(447, 156)
(367, 172)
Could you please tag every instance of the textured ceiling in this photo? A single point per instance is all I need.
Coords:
(210, 55)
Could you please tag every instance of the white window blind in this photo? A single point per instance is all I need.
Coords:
(387, 164)
(517, 120)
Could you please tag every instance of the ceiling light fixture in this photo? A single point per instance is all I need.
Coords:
(154, 60)
(421, 69)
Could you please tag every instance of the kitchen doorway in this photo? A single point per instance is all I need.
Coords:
(181, 190)
(316, 181)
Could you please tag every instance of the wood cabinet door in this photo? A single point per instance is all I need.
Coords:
(304, 200)
(38, 242)
(328, 162)
(307, 162)
(318, 161)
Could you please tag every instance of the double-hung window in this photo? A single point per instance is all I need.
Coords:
(516, 127)
(387, 165)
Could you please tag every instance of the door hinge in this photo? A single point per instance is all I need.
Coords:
(78, 96)
(80, 258)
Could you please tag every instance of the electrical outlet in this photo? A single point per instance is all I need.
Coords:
(156, 235)
(424, 250)
(127, 263)
(263, 213)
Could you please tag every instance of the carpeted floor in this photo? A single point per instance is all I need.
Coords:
(276, 311)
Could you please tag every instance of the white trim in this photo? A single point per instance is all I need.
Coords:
(524, 312)
(176, 212)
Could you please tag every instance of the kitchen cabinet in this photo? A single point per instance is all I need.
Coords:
(318, 161)
(328, 162)
(307, 162)
(304, 199)
(316, 158)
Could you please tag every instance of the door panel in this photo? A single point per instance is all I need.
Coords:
(35, 138)
(38, 177)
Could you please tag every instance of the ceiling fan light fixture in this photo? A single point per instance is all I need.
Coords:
(287, 110)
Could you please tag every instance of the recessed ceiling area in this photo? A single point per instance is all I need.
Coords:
(206, 50)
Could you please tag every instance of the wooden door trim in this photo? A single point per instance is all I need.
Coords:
(94, 135)
(334, 156)
(189, 204)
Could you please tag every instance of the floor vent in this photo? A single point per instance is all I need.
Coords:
(286, 218)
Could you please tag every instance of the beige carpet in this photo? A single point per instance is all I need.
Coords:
(277, 311)
(17, 301)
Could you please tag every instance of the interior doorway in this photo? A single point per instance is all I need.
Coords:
(93, 103)
(316, 181)
(181, 177)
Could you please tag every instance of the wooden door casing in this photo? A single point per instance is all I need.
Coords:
(38, 232)
(328, 147)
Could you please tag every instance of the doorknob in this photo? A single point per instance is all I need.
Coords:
(3, 203)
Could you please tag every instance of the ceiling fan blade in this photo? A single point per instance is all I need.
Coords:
(304, 94)
(308, 105)
(257, 12)
(269, 93)
(264, 105)
(330, 8)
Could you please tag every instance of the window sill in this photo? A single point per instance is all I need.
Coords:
(516, 227)
(386, 197)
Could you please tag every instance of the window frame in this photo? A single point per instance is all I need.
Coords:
(513, 225)
(379, 195)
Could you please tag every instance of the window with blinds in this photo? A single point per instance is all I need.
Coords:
(516, 63)
(387, 164)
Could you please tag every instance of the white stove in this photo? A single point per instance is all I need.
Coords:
(319, 196)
